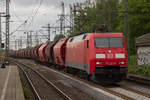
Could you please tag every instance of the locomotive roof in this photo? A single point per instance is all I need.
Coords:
(110, 34)
(143, 40)
(82, 37)
(115, 34)
(97, 33)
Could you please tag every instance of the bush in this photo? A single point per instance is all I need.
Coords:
(139, 70)
(133, 60)
(27, 93)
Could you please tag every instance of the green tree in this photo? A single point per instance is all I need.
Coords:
(106, 13)
(139, 20)
(103, 12)
(58, 36)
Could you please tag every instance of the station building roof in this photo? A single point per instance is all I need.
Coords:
(143, 40)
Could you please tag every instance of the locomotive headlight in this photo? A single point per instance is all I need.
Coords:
(100, 56)
(98, 62)
(122, 62)
(120, 55)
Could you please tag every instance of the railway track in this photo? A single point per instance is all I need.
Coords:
(122, 91)
(139, 79)
(130, 92)
(43, 88)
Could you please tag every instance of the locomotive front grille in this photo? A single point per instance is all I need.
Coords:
(110, 70)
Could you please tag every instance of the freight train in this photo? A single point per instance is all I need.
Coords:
(101, 57)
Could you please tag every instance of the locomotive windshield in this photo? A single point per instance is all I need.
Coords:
(108, 42)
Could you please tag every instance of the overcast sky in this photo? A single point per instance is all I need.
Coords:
(48, 11)
(22, 10)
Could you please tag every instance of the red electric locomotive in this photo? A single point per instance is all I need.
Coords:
(102, 56)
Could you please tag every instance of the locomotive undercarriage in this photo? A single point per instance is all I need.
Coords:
(102, 74)
(77, 72)
(109, 74)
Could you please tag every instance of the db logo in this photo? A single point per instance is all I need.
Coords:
(110, 56)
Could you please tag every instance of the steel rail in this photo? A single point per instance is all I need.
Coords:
(135, 91)
(65, 96)
(88, 82)
(139, 79)
(93, 84)
(30, 82)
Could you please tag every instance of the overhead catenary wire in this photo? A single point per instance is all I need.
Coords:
(31, 14)
(36, 12)
(18, 28)
(28, 18)
(13, 10)
(12, 6)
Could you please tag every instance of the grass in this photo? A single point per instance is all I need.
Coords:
(27, 93)
(138, 70)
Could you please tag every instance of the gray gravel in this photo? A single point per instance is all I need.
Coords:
(129, 93)
(138, 87)
(45, 91)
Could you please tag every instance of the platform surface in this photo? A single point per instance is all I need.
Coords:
(10, 84)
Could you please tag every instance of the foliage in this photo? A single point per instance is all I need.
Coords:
(139, 70)
(133, 60)
(138, 20)
(103, 12)
(58, 36)
(27, 93)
